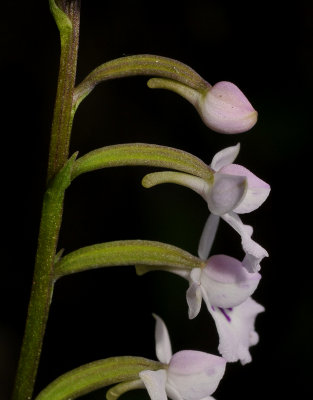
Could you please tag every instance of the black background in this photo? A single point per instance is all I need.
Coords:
(266, 49)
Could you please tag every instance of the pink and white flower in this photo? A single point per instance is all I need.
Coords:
(235, 191)
(190, 375)
(225, 286)
(230, 190)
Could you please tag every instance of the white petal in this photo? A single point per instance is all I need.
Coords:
(225, 157)
(226, 282)
(194, 294)
(163, 346)
(172, 392)
(254, 252)
(236, 330)
(195, 374)
(226, 193)
(257, 190)
(207, 236)
(154, 382)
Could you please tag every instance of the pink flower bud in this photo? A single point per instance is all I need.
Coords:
(226, 109)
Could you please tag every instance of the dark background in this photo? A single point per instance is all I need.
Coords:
(266, 49)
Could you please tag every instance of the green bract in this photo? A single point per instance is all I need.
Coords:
(125, 252)
(96, 375)
(144, 155)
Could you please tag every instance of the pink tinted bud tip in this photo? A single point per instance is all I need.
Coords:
(226, 109)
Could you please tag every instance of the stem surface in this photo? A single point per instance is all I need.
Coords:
(63, 117)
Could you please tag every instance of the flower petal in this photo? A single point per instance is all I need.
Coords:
(226, 193)
(254, 252)
(163, 346)
(155, 382)
(208, 236)
(226, 282)
(225, 157)
(195, 374)
(194, 293)
(257, 191)
(172, 392)
(236, 330)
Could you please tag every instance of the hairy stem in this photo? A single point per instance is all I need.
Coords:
(67, 15)
(63, 117)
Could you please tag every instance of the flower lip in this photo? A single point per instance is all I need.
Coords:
(225, 109)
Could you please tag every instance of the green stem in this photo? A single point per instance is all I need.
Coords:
(67, 16)
(63, 116)
(43, 283)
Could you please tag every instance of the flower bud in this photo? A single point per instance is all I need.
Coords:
(225, 109)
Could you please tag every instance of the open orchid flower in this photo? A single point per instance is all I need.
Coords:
(248, 199)
(190, 375)
(233, 190)
(225, 286)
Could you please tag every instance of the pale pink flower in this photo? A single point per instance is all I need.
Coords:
(190, 375)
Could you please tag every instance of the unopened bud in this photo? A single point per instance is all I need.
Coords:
(225, 109)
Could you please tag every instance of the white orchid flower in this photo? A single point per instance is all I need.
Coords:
(225, 286)
(236, 190)
(231, 190)
(190, 375)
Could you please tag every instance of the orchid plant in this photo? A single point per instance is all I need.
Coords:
(224, 283)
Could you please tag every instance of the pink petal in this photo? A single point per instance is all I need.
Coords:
(226, 282)
(195, 374)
